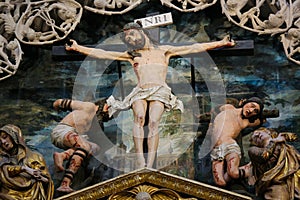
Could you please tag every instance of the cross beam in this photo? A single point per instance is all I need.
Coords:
(242, 48)
(274, 113)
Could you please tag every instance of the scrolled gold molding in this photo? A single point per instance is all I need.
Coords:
(158, 179)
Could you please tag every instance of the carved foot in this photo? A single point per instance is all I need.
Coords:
(65, 189)
(140, 162)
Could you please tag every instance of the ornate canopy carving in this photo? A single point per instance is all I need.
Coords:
(36, 22)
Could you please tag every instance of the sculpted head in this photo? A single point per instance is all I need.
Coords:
(252, 109)
(6, 141)
(261, 136)
(10, 136)
(134, 36)
(12, 45)
(65, 12)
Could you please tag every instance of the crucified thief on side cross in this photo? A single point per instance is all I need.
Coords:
(150, 63)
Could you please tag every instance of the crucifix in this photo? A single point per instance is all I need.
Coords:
(149, 59)
(152, 22)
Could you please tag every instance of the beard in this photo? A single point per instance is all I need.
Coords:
(250, 119)
(242, 114)
(139, 44)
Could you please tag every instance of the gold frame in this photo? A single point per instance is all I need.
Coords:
(154, 177)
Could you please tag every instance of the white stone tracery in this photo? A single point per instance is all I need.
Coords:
(277, 19)
(291, 38)
(188, 5)
(45, 22)
(10, 48)
(282, 18)
(42, 22)
(112, 7)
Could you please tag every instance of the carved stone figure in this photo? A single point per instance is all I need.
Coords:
(10, 57)
(291, 38)
(45, 22)
(24, 174)
(188, 5)
(291, 43)
(42, 22)
(112, 7)
(10, 49)
(7, 18)
(250, 17)
(234, 7)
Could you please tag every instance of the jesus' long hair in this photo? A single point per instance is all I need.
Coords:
(138, 26)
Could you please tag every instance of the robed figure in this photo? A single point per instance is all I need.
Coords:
(23, 172)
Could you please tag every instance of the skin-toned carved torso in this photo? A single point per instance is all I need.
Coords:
(229, 123)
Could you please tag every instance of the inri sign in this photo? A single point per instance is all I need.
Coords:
(156, 20)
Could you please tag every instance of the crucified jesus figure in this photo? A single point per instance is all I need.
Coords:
(150, 63)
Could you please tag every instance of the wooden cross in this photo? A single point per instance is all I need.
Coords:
(242, 47)
(153, 21)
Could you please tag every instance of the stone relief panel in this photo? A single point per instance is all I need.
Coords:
(122, 6)
(10, 49)
(33, 23)
(268, 17)
(105, 7)
(263, 17)
(188, 5)
(291, 38)
(45, 22)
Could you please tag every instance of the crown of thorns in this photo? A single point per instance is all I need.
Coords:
(132, 25)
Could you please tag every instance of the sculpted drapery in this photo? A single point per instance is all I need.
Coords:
(278, 173)
(16, 181)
